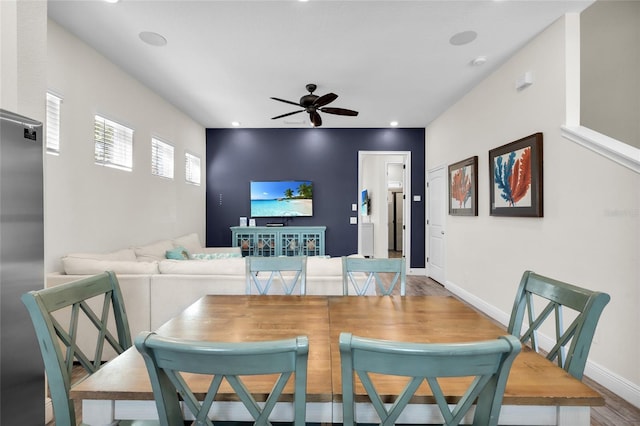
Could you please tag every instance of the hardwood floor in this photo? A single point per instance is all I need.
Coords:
(615, 412)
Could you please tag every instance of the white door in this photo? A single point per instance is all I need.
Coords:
(436, 204)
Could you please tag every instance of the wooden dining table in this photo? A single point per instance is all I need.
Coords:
(538, 392)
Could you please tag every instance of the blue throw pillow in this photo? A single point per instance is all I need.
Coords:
(178, 253)
(210, 256)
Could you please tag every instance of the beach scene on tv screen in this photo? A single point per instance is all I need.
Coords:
(281, 198)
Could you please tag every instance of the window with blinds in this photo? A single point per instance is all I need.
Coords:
(53, 123)
(161, 158)
(192, 168)
(114, 144)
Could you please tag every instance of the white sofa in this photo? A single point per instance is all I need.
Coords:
(155, 288)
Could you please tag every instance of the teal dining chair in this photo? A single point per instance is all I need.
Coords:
(489, 362)
(167, 359)
(359, 273)
(57, 339)
(288, 272)
(558, 297)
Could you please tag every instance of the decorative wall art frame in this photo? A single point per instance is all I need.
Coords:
(463, 187)
(515, 176)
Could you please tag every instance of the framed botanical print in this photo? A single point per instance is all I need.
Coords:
(463, 187)
(515, 176)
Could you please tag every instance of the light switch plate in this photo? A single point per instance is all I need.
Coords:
(354, 207)
(417, 198)
(353, 220)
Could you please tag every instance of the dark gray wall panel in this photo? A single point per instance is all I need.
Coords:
(328, 157)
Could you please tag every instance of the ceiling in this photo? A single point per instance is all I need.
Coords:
(389, 60)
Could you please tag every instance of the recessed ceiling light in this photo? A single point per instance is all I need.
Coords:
(112, 1)
(154, 39)
(480, 60)
(235, 123)
(393, 124)
(464, 37)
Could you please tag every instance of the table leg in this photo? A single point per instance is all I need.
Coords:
(98, 412)
(570, 416)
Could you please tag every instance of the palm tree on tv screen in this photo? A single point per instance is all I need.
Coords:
(305, 190)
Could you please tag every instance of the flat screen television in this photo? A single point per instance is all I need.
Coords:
(281, 198)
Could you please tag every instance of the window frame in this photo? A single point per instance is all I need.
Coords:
(189, 175)
(53, 123)
(160, 149)
(119, 148)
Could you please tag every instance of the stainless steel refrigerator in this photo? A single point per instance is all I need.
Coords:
(22, 387)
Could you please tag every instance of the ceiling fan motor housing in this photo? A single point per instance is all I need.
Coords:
(307, 100)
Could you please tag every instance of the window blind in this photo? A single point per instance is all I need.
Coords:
(113, 144)
(53, 123)
(192, 168)
(161, 158)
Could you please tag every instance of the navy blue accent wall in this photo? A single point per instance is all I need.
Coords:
(328, 157)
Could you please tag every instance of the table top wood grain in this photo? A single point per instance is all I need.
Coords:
(533, 379)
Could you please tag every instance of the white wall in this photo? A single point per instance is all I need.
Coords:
(590, 232)
(23, 47)
(610, 94)
(94, 208)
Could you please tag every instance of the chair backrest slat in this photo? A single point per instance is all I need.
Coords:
(488, 362)
(58, 341)
(289, 272)
(586, 305)
(358, 274)
(167, 359)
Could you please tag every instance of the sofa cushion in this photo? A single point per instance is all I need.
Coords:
(153, 252)
(231, 266)
(125, 254)
(191, 242)
(80, 266)
(321, 266)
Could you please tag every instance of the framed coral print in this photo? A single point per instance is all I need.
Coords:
(463, 187)
(515, 176)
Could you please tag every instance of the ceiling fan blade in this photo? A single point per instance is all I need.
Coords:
(286, 115)
(286, 101)
(315, 119)
(325, 99)
(339, 111)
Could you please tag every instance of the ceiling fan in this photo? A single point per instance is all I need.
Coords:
(314, 103)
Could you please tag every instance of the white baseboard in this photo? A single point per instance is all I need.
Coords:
(615, 383)
(417, 271)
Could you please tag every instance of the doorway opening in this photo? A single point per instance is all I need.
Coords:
(383, 174)
(395, 203)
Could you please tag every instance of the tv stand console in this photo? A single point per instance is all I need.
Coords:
(279, 241)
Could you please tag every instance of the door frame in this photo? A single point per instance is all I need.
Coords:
(428, 217)
(406, 188)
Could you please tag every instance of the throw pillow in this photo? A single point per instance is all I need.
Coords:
(154, 251)
(190, 241)
(209, 256)
(178, 253)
